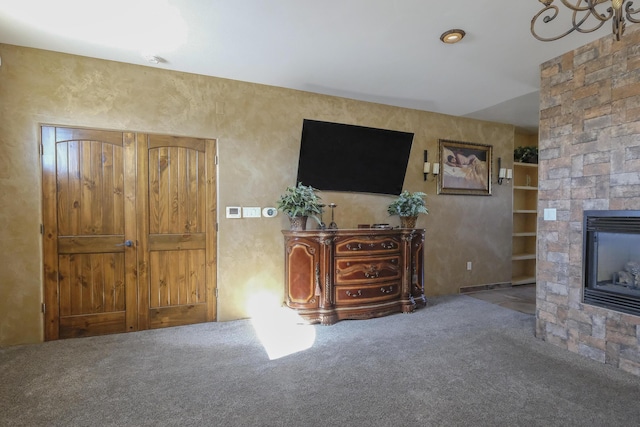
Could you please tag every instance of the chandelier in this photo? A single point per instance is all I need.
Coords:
(588, 16)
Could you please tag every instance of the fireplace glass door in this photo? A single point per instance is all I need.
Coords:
(612, 260)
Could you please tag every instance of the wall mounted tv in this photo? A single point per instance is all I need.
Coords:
(340, 157)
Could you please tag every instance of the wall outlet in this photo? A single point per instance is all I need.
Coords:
(469, 265)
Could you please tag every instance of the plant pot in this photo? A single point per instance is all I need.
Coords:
(408, 221)
(298, 223)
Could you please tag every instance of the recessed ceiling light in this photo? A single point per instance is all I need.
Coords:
(452, 36)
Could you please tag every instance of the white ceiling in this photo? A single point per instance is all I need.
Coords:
(372, 50)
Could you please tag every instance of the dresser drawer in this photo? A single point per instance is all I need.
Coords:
(356, 245)
(346, 295)
(366, 269)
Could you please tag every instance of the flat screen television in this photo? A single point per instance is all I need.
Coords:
(340, 157)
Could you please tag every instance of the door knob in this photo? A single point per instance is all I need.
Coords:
(127, 243)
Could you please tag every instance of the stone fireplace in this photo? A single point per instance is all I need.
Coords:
(589, 161)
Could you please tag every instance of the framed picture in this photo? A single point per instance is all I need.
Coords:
(465, 168)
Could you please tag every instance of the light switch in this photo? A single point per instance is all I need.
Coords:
(550, 214)
(251, 212)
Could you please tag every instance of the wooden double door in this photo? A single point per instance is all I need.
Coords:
(128, 231)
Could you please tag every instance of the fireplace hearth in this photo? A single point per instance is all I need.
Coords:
(612, 260)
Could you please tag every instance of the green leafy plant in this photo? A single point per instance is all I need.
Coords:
(300, 201)
(409, 204)
(526, 154)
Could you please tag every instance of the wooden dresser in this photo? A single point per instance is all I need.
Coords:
(331, 275)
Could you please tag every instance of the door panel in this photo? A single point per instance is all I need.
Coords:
(90, 183)
(129, 231)
(177, 278)
(90, 283)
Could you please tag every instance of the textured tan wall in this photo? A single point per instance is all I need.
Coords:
(525, 140)
(258, 130)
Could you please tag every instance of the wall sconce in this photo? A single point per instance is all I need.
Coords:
(426, 168)
(503, 173)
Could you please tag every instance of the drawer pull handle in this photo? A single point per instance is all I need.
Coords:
(358, 247)
(354, 294)
(388, 245)
(372, 272)
(386, 291)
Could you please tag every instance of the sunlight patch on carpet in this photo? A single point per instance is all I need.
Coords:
(280, 330)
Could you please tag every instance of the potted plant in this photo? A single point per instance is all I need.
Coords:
(299, 203)
(526, 154)
(408, 206)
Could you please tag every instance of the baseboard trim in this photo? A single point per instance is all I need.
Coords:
(477, 288)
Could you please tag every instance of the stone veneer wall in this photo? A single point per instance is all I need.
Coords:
(589, 159)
